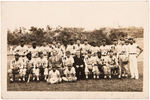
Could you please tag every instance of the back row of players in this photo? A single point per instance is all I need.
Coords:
(55, 62)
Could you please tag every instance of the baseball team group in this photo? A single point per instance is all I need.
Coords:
(55, 62)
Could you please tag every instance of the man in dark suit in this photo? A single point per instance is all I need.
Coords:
(79, 65)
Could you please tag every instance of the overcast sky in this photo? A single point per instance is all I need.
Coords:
(89, 15)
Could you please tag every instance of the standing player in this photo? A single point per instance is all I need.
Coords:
(22, 50)
(133, 58)
(85, 47)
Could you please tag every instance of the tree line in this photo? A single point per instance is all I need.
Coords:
(70, 34)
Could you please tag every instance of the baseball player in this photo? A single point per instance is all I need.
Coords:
(123, 58)
(22, 68)
(85, 47)
(112, 63)
(54, 76)
(68, 60)
(91, 66)
(133, 58)
(14, 68)
(70, 74)
(21, 49)
(30, 66)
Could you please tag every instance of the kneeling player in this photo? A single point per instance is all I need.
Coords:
(70, 74)
(54, 76)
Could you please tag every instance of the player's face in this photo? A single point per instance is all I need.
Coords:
(54, 42)
(78, 53)
(115, 42)
(78, 41)
(85, 42)
(34, 46)
(69, 68)
(17, 58)
(54, 69)
(104, 43)
(54, 53)
(22, 44)
(68, 55)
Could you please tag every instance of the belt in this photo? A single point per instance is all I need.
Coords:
(132, 53)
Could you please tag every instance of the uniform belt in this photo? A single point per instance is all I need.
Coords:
(103, 55)
(132, 53)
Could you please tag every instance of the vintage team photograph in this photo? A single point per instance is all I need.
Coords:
(69, 47)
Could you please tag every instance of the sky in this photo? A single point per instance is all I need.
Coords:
(89, 15)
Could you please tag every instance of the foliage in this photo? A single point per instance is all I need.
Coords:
(65, 34)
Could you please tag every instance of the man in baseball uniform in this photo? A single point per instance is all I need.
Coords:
(70, 74)
(133, 58)
(14, 68)
(54, 76)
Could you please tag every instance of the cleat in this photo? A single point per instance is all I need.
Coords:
(94, 76)
(136, 78)
(97, 76)
(37, 79)
(11, 80)
(105, 76)
(33, 78)
(119, 76)
(86, 77)
(19, 79)
(109, 76)
(23, 79)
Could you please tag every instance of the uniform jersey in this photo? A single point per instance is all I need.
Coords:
(92, 60)
(55, 74)
(15, 64)
(104, 50)
(85, 48)
(44, 62)
(21, 50)
(34, 52)
(23, 61)
(68, 61)
(71, 48)
(95, 49)
(132, 48)
(111, 61)
(68, 72)
(78, 47)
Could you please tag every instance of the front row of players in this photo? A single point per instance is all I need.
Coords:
(55, 69)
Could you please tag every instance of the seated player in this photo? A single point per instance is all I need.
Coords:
(79, 65)
(106, 68)
(54, 76)
(112, 63)
(14, 68)
(91, 66)
(46, 68)
(36, 70)
(30, 66)
(67, 60)
(70, 74)
(22, 68)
